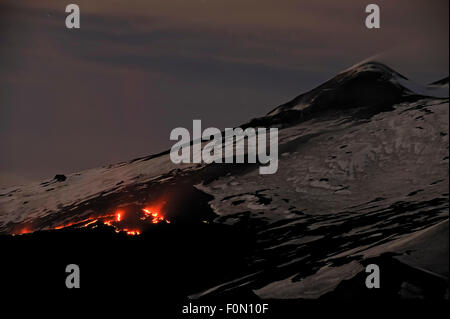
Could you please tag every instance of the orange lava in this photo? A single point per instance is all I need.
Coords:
(132, 232)
(153, 214)
(129, 221)
(24, 230)
(81, 223)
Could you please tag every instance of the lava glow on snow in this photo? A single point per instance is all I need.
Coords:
(131, 220)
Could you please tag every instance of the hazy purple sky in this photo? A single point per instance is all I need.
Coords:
(114, 89)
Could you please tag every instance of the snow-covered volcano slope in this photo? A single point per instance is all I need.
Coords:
(343, 186)
(347, 100)
(363, 162)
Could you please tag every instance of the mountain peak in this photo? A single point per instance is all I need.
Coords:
(369, 84)
(372, 66)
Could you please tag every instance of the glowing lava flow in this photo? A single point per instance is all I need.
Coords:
(131, 220)
(122, 221)
(24, 231)
(116, 220)
(153, 214)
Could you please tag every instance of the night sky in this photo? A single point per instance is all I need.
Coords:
(114, 89)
